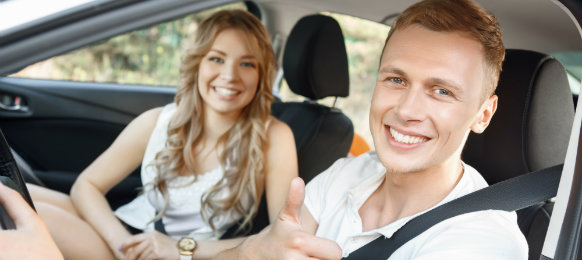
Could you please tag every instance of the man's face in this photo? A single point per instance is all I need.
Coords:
(427, 98)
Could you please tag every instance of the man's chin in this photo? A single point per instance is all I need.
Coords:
(397, 167)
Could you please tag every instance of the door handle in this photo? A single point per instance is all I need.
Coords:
(13, 103)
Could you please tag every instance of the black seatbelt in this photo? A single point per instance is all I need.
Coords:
(159, 226)
(509, 195)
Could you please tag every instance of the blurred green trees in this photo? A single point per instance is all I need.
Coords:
(364, 42)
(151, 56)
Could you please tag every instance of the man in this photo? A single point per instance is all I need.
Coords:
(30, 239)
(436, 82)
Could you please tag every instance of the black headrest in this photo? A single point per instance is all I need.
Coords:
(531, 128)
(315, 62)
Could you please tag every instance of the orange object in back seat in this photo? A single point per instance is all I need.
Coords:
(359, 145)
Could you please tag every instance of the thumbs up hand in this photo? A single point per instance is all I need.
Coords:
(292, 210)
(285, 238)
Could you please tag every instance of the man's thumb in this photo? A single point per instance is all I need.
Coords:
(292, 209)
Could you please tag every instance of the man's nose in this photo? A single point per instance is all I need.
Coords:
(412, 105)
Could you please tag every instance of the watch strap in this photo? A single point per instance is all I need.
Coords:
(185, 257)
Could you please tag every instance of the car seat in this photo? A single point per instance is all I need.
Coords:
(530, 131)
(315, 66)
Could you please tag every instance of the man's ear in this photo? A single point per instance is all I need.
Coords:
(485, 114)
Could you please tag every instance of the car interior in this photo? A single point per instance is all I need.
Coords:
(527, 133)
(10, 177)
(315, 65)
(61, 126)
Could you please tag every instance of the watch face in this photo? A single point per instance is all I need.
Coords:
(187, 244)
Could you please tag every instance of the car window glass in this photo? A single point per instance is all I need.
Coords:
(572, 62)
(149, 56)
(16, 13)
(364, 41)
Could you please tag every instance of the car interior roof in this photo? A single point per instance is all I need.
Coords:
(540, 25)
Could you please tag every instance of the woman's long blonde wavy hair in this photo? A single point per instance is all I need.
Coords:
(242, 155)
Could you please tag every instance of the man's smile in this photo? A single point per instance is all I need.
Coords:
(407, 139)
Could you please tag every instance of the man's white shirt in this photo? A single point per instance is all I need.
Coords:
(334, 197)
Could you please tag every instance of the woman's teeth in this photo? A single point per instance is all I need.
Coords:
(225, 91)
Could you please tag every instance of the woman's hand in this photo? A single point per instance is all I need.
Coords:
(150, 245)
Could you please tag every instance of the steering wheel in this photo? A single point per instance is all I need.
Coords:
(11, 177)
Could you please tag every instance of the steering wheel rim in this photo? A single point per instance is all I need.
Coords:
(11, 177)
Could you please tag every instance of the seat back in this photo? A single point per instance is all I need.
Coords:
(315, 65)
(529, 131)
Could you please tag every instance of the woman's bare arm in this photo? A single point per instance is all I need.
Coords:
(112, 166)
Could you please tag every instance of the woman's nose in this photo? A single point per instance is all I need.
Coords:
(228, 71)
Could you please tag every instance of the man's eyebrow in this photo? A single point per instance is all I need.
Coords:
(437, 81)
(247, 56)
(392, 70)
(445, 82)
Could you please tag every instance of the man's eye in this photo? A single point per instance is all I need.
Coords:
(397, 80)
(442, 92)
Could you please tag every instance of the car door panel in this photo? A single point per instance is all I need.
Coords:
(65, 125)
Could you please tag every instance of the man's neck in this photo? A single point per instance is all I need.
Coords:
(405, 194)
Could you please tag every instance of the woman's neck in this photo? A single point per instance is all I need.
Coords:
(217, 124)
(207, 151)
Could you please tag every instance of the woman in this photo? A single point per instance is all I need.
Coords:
(206, 158)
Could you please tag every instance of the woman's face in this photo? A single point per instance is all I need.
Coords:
(228, 76)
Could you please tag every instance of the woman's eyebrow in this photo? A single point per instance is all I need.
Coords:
(246, 56)
(218, 51)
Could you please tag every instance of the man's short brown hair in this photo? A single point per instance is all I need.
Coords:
(461, 16)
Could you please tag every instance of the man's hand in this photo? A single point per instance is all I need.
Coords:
(31, 239)
(150, 245)
(285, 238)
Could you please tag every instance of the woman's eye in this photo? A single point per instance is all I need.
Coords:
(248, 64)
(215, 59)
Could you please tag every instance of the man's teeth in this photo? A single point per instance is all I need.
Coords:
(225, 91)
(407, 139)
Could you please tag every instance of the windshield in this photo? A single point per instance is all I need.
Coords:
(14, 13)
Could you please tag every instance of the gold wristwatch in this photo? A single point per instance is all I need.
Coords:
(186, 247)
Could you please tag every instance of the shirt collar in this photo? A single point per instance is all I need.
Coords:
(359, 194)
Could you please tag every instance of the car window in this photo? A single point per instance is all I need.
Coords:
(150, 56)
(572, 62)
(364, 41)
(16, 13)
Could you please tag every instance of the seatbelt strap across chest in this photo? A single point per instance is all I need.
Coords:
(509, 195)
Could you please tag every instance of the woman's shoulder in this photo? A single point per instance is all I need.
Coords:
(152, 115)
(277, 128)
(147, 119)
